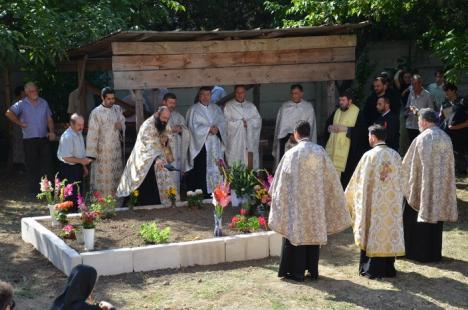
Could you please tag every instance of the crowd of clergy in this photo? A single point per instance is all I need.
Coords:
(396, 207)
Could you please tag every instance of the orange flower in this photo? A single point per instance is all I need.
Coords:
(64, 206)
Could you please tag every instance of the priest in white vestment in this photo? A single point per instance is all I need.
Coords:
(146, 167)
(244, 124)
(103, 144)
(375, 198)
(429, 189)
(290, 113)
(179, 138)
(208, 129)
(307, 205)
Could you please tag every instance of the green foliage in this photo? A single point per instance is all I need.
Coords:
(439, 25)
(241, 179)
(152, 234)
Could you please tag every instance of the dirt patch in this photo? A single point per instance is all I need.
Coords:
(121, 231)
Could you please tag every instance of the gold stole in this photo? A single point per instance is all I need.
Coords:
(338, 144)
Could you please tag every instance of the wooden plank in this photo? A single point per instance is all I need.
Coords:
(234, 59)
(227, 76)
(200, 47)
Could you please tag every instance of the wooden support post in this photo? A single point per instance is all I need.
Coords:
(82, 87)
(331, 97)
(139, 107)
(256, 95)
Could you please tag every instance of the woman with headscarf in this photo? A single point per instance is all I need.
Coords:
(78, 290)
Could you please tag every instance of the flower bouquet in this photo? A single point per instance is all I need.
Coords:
(68, 232)
(89, 219)
(242, 182)
(261, 196)
(133, 199)
(221, 199)
(54, 194)
(105, 206)
(171, 194)
(195, 198)
(61, 210)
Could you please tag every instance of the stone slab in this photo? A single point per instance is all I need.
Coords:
(202, 252)
(154, 257)
(110, 262)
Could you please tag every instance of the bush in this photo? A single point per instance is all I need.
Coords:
(152, 234)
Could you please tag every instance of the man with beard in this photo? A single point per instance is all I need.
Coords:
(179, 139)
(347, 139)
(151, 150)
(380, 86)
(390, 121)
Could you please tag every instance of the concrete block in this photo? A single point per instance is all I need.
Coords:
(156, 257)
(257, 245)
(276, 241)
(110, 262)
(27, 231)
(202, 252)
(236, 248)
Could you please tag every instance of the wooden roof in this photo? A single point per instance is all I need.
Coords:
(102, 48)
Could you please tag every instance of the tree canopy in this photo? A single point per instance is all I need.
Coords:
(440, 25)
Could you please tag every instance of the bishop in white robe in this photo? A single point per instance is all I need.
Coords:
(307, 205)
(179, 138)
(244, 124)
(429, 189)
(146, 167)
(208, 129)
(103, 144)
(375, 198)
(290, 113)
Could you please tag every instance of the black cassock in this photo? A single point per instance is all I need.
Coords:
(196, 178)
(391, 122)
(423, 241)
(296, 260)
(376, 267)
(149, 192)
(359, 145)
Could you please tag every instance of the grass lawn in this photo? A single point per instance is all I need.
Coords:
(246, 285)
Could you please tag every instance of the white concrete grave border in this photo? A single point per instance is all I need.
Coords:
(152, 257)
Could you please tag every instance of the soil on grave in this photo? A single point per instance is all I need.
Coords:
(187, 224)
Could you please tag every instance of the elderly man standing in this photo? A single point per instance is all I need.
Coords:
(106, 123)
(307, 204)
(429, 175)
(33, 115)
(418, 99)
(244, 124)
(72, 154)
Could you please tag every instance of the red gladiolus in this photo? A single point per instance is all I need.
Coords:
(221, 194)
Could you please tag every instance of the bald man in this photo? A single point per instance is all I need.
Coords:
(72, 154)
(33, 115)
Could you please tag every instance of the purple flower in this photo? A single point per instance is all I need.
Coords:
(68, 190)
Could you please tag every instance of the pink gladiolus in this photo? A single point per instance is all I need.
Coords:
(79, 200)
(68, 190)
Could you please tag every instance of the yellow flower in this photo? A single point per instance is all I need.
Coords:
(136, 193)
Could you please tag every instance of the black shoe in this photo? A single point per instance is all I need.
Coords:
(294, 278)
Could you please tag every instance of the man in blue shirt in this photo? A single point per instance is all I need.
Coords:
(72, 155)
(33, 115)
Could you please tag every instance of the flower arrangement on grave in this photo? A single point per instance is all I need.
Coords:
(61, 210)
(171, 194)
(105, 206)
(55, 192)
(245, 224)
(89, 219)
(261, 196)
(68, 232)
(242, 180)
(133, 199)
(151, 233)
(221, 199)
(195, 198)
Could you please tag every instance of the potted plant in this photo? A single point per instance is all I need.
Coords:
(195, 198)
(54, 194)
(245, 224)
(171, 194)
(105, 206)
(242, 181)
(221, 199)
(89, 219)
